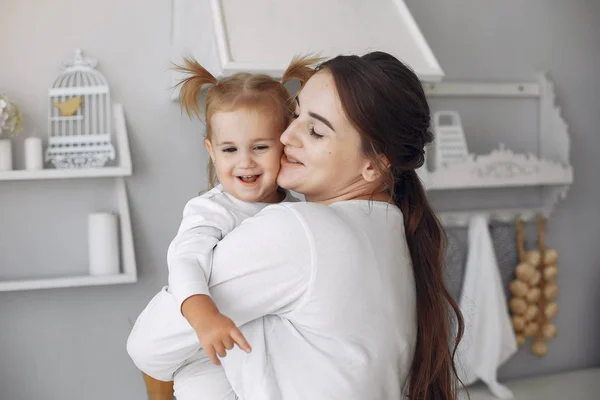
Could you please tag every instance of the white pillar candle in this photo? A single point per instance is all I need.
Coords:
(33, 153)
(5, 155)
(103, 244)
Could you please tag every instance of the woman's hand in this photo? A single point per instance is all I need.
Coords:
(216, 332)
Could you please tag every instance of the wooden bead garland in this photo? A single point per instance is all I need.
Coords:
(534, 291)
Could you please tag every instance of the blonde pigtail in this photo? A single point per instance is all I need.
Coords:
(191, 85)
(300, 69)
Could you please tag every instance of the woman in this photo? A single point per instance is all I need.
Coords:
(341, 297)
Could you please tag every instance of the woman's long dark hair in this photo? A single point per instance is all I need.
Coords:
(385, 101)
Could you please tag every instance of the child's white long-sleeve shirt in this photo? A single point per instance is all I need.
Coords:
(207, 219)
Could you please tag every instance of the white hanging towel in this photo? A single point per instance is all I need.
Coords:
(489, 340)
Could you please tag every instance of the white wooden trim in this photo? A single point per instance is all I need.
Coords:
(73, 118)
(554, 138)
(124, 155)
(127, 247)
(500, 168)
(220, 33)
(199, 28)
(230, 66)
(54, 92)
(435, 74)
(65, 282)
(457, 219)
(437, 182)
(51, 173)
(482, 89)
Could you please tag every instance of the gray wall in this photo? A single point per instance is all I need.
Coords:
(70, 343)
(512, 40)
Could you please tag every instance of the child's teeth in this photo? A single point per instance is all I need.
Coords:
(249, 178)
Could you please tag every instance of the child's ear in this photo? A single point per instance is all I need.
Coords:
(209, 148)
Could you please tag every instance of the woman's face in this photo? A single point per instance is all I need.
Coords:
(322, 155)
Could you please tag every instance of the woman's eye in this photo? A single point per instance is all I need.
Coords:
(315, 134)
(294, 115)
(229, 150)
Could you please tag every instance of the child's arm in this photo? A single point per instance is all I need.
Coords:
(205, 222)
(189, 257)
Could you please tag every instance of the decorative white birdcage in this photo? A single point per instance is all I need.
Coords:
(79, 116)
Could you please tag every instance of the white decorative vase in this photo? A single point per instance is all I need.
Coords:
(33, 154)
(103, 244)
(5, 155)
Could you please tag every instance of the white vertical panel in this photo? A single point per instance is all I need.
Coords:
(62, 121)
(78, 114)
(108, 113)
(101, 116)
(87, 106)
(86, 114)
(94, 112)
(51, 122)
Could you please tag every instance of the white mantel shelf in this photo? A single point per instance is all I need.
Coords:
(66, 282)
(51, 173)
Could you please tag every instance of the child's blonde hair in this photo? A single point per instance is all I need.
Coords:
(238, 91)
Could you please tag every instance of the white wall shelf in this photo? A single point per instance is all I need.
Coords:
(123, 169)
(482, 89)
(66, 282)
(451, 219)
(128, 264)
(51, 173)
(499, 169)
(550, 170)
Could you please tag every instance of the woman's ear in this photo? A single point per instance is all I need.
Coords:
(374, 168)
(209, 148)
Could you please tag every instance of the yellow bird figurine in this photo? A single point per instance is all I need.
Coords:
(69, 107)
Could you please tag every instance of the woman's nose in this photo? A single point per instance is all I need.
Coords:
(289, 137)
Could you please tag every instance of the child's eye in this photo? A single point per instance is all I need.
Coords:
(261, 147)
(315, 134)
(229, 150)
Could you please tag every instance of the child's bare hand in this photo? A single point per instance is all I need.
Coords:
(217, 334)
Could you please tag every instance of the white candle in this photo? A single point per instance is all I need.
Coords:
(5, 155)
(33, 153)
(103, 244)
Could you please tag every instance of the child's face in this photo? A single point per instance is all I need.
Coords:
(246, 151)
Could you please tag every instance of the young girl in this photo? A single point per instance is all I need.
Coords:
(245, 116)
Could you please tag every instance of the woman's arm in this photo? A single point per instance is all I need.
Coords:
(264, 266)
